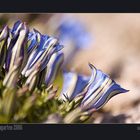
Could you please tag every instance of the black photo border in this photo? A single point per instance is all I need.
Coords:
(71, 131)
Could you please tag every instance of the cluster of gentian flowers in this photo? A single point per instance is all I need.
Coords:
(37, 53)
(39, 57)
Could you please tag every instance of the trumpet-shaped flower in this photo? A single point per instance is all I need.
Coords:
(42, 54)
(3, 43)
(100, 89)
(97, 89)
(33, 40)
(19, 47)
(53, 66)
(16, 28)
(16, 43)
(73, 85)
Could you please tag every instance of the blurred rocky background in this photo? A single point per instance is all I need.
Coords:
(112, 45)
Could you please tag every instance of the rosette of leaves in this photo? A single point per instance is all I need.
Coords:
(35, 89)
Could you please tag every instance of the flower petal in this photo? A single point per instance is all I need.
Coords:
(12, 40)
(16, 28)
(74, 84)
(42, 54)
(53, 65)
(97, 79)
(112, 90)
(100, 89)
(3, 45)
(34, 38)
(18, 49)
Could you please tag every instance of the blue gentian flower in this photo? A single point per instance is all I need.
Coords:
(3, 42)
(97, 89)
(34, 38)
(42, 54)
(13, 34)
(4, 33)
(100, 89)
(53, 66)
(16, 28)
(17, 45)
(73, 84)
